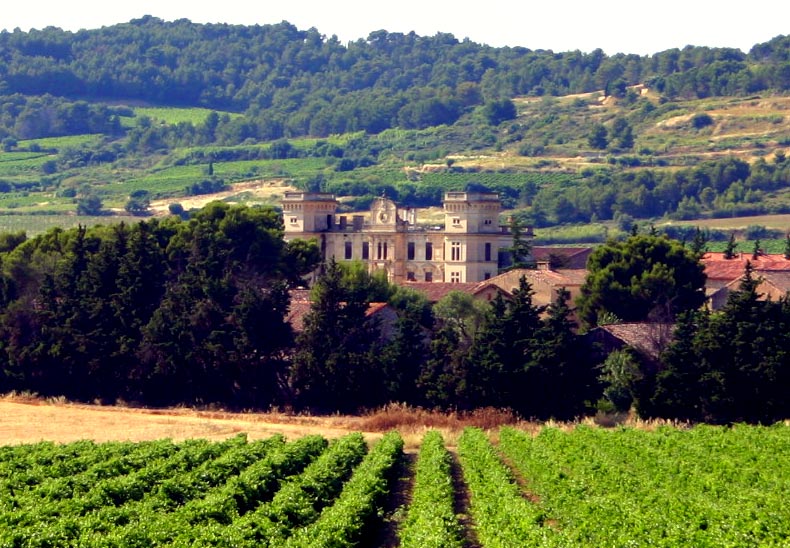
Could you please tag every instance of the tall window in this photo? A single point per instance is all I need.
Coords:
(488, 251)
(348, 250)
(379, 251)
(429, 276)
(410, 251)
(455, 251)
(365, 251)
(428, 251)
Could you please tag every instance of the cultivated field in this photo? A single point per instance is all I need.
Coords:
(201, 480)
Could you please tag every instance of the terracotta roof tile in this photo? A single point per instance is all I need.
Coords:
(434, 291)
(719, 268)
(299, 309)
(556, 278)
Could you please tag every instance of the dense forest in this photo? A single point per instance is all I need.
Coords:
(289, 82)
(196, 312)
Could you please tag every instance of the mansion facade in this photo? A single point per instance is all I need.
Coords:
(469, 248)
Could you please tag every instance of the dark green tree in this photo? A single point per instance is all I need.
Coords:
(643, 277)
(521, 249)
(699, 242)
(334, 368)
(496, 112)
(139, 203)
(681, 384)
(598, 138)
(89, 205)
(729, 251)
(561, 377)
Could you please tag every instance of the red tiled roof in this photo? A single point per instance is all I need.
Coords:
(780, 279)
(434, 291)
(555, 278)
(296, 313)
(299, 309)
(719, 268)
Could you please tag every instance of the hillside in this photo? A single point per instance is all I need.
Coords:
(175, 109)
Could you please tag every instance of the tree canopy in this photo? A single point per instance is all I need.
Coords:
(643, 277)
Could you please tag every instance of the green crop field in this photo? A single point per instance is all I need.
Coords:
(57, 143)
(492, 179)
(195, 116)
(669, 487)
(33, 225)
(14, 164)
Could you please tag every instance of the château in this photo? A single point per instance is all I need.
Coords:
(470, 247)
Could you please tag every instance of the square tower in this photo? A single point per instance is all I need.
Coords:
(471, 212)
(308, 212)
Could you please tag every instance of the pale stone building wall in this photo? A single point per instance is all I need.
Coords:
(467, 249)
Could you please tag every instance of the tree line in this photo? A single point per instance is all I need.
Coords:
(290, 82)
(196, 312)
(727, 187)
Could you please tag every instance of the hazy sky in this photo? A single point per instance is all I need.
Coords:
(560, 25)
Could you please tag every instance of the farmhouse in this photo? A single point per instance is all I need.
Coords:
(724, 275)
(544, 282)
(470, 247)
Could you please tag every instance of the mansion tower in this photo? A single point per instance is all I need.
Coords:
(469, 248)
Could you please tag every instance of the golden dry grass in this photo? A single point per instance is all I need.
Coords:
(28, 419)
(779, 221)
(257, 190)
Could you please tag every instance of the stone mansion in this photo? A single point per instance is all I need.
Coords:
(469, 248)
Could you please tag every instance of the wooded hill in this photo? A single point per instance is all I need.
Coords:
(566, 136)
(294, 82)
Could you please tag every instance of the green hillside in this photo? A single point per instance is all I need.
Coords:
(173, 110)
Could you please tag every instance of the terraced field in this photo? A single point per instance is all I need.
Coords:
(704, 486)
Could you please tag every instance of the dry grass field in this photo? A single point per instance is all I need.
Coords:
(33, 420)
(30, 420)
(779, 222)
(249, 192)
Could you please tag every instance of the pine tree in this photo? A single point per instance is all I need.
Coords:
(561, 371)
(680, 386)
(333, 369)
(729, 251)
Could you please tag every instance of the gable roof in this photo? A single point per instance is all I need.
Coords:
(555, 278)
(647, 338)
(572, 257)
(774, 285)
(779, 279)
(435, 291)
